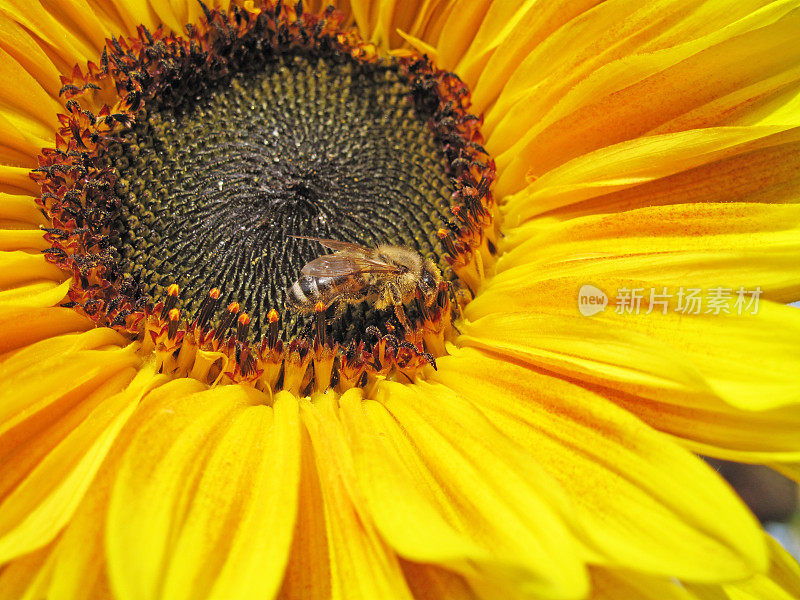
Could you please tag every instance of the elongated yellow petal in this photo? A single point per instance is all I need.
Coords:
(25, 325)
(446, 487)
(20, 267)
(26, 104)
(16, 180)
(65, 38)
(362, 566)
(235, 539)
(35, 295)
(674, 370)
(310, 540)
(24, 237)
(28, 577)
(39, 507)
(21, 208)
(682, 167)
(58, 368)
(509, 35)
(781, 582)
(208, 486)
(462, 22)
(637, 95)
(427, 581)
(79, 569)
(645, 504)
(608, 584)
(697, 245)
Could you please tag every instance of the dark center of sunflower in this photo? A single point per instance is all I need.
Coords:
(214, 185)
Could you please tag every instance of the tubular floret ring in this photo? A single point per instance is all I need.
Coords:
(192, 175)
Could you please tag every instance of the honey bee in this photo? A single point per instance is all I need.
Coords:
(386, 275)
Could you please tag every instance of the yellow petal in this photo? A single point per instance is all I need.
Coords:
(459, 29)
(310, 539)
(62, 35)
(207, 489)
(21, 208)
(644, 503)
(24, 238)
(361, 564)
(701, 377)
(39, 507)
(673, 168)
(22, 46)
(445, 487)
(25, 325)
(79, 569)
(637, 94)
(430, 582)
(781, 582)
(625, 585)
(132, 13)
(25, 103)
(252, 518)
(19, 267)
(517, 28)
(59, 369)
(715, 244)
(16, 180)
(27, 578)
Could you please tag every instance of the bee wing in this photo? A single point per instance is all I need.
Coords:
(336, 245)
(333, 265)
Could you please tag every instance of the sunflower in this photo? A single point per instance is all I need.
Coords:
(200, 400)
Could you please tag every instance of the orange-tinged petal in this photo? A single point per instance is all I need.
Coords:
(39, 507)
(67, 365)
(133, 13)
(626, 585)
(189, 463)
(16, 180)
(79, 569)
(310, 539)
(22, 46)
(428, 582)
(361, 563)
(704, 165)
(28, 577)
(644, 503)
(460, 26)
(18, 267)
(23, 325)
(61, 37)
(637, 95)
(235, 540)
(446, 487)
(26, 104)
(21, 208)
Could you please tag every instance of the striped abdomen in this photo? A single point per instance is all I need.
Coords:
(307, 291)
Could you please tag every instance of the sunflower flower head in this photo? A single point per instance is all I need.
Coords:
(289, 298)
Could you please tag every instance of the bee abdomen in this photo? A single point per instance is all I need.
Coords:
(303, 294)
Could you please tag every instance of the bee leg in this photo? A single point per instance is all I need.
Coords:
(396, 297)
